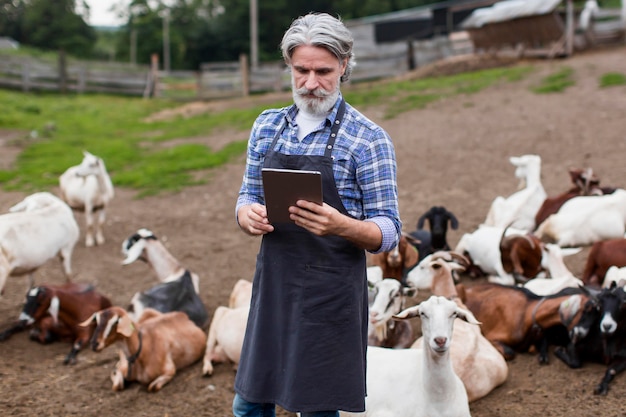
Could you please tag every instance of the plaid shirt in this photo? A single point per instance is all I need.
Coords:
(364, 164)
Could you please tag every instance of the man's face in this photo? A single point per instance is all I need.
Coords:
(315, 78)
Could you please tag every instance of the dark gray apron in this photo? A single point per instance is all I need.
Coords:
(306, 338)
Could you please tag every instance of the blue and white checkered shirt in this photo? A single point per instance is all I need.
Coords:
(364, 164)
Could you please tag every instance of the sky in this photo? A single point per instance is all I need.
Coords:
(100, 16)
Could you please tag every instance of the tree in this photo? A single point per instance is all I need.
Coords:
(55, 25)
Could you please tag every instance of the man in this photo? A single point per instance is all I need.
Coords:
(306, 337)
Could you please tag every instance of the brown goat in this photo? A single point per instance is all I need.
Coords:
(397, 262)
(152, 349)
(585, 183)
(602, 256)
(55, 312)
(521, 256)
(515, 320)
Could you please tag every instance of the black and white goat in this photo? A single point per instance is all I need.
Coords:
(179, 287)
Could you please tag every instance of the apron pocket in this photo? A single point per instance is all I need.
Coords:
(329, 295)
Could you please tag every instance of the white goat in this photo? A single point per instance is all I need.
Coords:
(388, 301)
(227, 329)
(615, 274)
(146, 246)
(585, 220)
(87, 187)
(520, 208)
(418, 382)
(474, 359)
(560, 276)
(38, 228)
(482, 246)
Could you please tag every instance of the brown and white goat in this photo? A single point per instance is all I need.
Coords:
(585, 183)
(474, 359)
(152, 349)
(397, 262)
(515, 319)
(55, 312)
(521, 255)
(602, 256)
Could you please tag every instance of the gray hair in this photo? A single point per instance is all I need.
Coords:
(323, 30)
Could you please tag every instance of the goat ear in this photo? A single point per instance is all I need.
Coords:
(53, 310)
(407, 313)
(88, 322)
(466, 315)
(454, 223)
(134, 252)
(125, 326)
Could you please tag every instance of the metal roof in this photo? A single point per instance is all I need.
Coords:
(508, 10)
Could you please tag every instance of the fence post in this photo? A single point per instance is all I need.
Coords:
(199, 92)
(26, 76)
(82, 80)
(62, 72)
(245, 75)
(153, 77)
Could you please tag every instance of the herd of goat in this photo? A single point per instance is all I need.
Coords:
(469, 328)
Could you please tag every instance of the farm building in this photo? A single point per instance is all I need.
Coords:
(392, 43)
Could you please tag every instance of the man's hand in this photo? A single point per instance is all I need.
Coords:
(253, 220)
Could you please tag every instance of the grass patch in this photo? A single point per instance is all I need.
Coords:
(57, 128)
(612, 79)
(557, 82)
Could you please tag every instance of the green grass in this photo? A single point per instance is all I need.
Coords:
(612, 79)
(403, 96)
(55, 129)
(557, 82)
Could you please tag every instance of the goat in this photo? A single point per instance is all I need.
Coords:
(227, 329)
(585, 183)
(515, 319)
(54, 312)
(600, 335)
(615, 275)
(175, 295)
(388, 301)
(560, 276)
(144, 245)
(585, 220)
(419, 382)
(427, 242)
(474, 359)
(519, 209)
(397, 262)
(35, 230)
(602, 255)
(87, 187)
(482, 248)
(521, 255)
(152, 348)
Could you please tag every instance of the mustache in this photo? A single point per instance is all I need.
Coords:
(318, 92)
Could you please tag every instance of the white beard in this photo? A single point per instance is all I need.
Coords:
(319, 106)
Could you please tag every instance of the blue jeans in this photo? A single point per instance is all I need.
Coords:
(243, 408)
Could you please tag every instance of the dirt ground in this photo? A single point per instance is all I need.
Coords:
(453, 153)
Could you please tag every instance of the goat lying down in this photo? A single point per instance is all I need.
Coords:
(228, 327)
(151, 349)
(34, 231)
(54, 312)
(418, 382)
